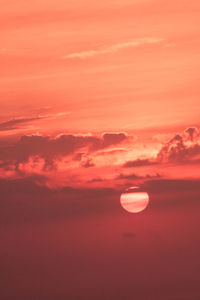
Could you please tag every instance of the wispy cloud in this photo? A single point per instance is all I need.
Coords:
(21, 121)
(13, 124)
(113, 48)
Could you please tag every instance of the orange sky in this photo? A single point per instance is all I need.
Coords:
(109, 65)
(88, 67)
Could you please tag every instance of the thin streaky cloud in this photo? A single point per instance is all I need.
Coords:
(113, 48)
(16, 123)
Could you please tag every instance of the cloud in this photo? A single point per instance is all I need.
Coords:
(30, 200)
(44, 149)
(110, 139)
(112, 152)
(139, 163)
(14, 124)
(129, 176)
(87, 162)
(170, 193)
(17, 122)
(172, 185)
(113, 48)
(81, 158)
(182, 148)
(97, 179)
(136, 177)
(192, 133)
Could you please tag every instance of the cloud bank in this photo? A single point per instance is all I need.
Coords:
(95, 160)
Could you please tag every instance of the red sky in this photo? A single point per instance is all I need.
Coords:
(95, 97)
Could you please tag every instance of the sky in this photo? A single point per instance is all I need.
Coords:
(96, 97)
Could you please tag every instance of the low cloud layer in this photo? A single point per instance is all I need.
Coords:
(81, 159)
(67, 155)
(29, 200)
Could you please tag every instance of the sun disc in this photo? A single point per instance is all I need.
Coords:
(134, 200)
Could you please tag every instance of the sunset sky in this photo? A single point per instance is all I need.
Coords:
(96, 97)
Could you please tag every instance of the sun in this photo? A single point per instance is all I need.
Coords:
(134, 200)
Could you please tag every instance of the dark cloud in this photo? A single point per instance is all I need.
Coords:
(136, 177)
(110, 139)
(97, 179)
(30, 200)
(80, 244)
(178, 150)
(192, 133)
(139, 163)
(78, 156)
(174, 150)
(169, 193)
(172, 185)
(87, 162)
(50, 148)
(129, 176)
